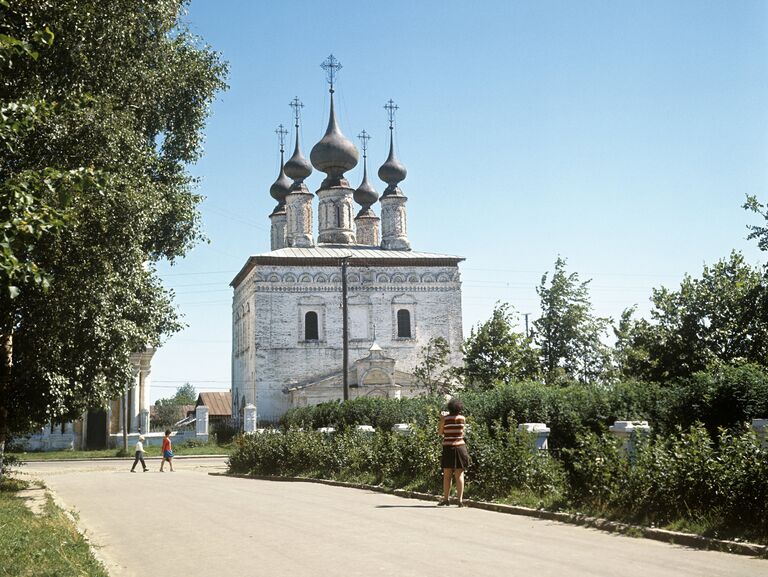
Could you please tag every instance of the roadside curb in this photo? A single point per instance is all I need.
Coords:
(664, 535)
(103, 459)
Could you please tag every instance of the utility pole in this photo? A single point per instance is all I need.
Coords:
(125, 419)
(527, 334)
(344, 327)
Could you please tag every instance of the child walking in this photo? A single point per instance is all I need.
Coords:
(167, 451)
(139, 455)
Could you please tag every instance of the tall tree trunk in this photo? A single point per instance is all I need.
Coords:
(6, 344)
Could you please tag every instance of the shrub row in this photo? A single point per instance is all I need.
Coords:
(502, 461)
(685, 477)
(726, 396)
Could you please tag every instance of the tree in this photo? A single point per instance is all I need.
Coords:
(169, 410)
(433, 370)
(721, 317)
(568, 333)
(758, 232)
(495, 353)
(124, 91)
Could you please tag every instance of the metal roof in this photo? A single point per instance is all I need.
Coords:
(358, 255)
(219, 404)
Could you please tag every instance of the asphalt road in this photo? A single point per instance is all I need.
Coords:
(189, 524)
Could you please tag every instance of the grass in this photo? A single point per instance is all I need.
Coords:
(47, 545)
(178, 450)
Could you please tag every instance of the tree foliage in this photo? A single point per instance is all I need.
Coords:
(721, 317)
(170, 410)
(433, 369)
(495, 353)
(103, 104)
(568, 333)
(758, 232)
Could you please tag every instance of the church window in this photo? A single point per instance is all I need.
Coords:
(311, 332)
(403, 324)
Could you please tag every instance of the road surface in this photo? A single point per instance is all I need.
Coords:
(189, 524)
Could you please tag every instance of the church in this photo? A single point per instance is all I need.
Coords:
(355, 301)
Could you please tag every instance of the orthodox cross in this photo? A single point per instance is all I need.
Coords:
(297, 106)
(331, 66)
(391, 107)
(281, 134)
(364, 138)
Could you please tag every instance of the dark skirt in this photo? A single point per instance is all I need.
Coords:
(455, 458)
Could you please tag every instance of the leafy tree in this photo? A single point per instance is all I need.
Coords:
(171, 409)
(721, 317)
(758, 232)
(433, 370)
(109, 111)
(495, 353)
(568, 333)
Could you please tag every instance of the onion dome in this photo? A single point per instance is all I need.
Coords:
(297, 168)
(282, 186)
(365, 195)
(392, 171)
(334, 154)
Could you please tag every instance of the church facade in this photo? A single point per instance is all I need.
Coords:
(287, 311)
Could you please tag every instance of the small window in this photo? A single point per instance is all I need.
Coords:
(310, 327)
(403, 324)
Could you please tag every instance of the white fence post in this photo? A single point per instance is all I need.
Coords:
(249, 424)
(144, 421)
(761, 430)
(628, 431)
(201, 423)
(540, 431)
(402, 428)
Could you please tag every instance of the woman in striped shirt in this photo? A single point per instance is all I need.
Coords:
(455, 456)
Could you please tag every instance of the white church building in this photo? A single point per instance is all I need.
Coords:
(288, 318)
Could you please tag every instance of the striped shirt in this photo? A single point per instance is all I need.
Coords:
(453, 430)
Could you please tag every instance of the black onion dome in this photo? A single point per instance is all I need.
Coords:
(365, 195)
(334, 154)
(392, 171)
(297, 168)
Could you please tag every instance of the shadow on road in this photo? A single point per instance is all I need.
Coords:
(406, 506)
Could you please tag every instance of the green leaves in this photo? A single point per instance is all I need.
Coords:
(90, 197)
(434, 370)
(495, 353)
(568, 333)
(719, 317)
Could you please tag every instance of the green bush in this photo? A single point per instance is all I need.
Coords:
(504, 461)
(224, 431)
(684, 476)
(726, 396)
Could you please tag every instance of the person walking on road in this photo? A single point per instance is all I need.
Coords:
(455, 455)
(139, 455)
(167, 451)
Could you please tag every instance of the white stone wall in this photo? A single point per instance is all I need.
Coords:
(274, 354)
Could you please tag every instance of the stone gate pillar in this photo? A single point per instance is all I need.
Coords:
(249, 425)
(201, 423)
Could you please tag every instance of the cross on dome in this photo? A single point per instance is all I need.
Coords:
(297, 105)
(281, 134)
(364, 138)
(391, 108)
(331, 65)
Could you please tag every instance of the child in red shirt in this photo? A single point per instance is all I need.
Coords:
(167, 451)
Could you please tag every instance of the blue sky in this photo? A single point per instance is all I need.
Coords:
(622, 136)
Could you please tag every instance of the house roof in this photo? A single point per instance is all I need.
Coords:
(219, 404)
(331, 255)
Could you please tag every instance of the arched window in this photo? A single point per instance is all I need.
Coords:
(403, 324)
(310, 327)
